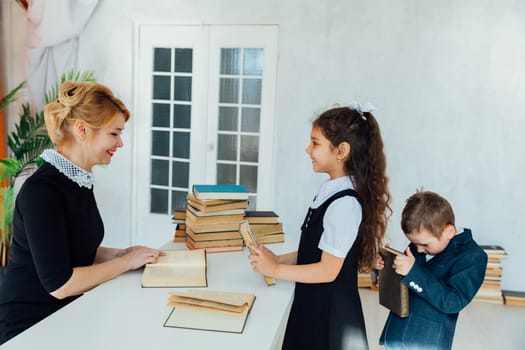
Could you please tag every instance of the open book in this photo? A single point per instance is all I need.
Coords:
(249, 237)
(209, 310)
(178, 268)
(393, 294)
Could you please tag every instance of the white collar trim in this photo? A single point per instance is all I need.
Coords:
(73, 172)
(331, 187)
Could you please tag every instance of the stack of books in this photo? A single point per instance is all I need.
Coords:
(490, 290)
(364, 280)
(179, 219)
(514, 298)
(266, 226)
(213, 216)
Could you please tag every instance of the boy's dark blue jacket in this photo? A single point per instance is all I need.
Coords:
(439, 290)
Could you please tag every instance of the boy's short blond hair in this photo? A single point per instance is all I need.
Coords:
(426, 210)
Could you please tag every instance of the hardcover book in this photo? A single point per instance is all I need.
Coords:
(231, 192)
(393, 294)
(261, 217)
(249, 237)
(210, 310)
(178, 268)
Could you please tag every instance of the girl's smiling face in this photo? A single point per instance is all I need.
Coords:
(324, 155)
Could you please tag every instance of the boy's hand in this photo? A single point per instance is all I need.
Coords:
(378, 263)
(403, 263)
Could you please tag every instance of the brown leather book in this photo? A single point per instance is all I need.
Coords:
(393, 294)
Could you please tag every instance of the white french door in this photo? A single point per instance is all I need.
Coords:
(204, 113)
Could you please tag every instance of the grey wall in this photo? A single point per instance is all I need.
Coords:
(446, 78)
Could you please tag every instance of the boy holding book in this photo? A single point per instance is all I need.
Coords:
(443, 269)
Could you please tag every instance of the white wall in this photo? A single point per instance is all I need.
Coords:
(447, 79)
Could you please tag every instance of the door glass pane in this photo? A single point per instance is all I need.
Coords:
(249, 148)
(228, 117)
(159, 201)
(160, 143)
(251, 91)
(161, 115)
(229, 90)
(226, 174)
(169, 177)
(181, 116)
(182, 90)
(162, 60)
(178, 200)
(161, 87)
(181, 144)
(230, 62)
(181, 172)
(160, 172)
(183, 60)
(253, 62)
(227, 147)
(250, 120)
(248, 177)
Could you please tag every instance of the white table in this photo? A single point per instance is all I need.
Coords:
(121, 315)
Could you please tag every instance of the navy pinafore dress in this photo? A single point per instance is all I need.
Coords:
(326, 316)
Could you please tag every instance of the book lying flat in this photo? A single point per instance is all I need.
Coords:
(249, 237)
(210, 310)
(211, 227)
(393, 294)
(178, 268)
(223, 249)
(214, 219)
(208, 236)
(201, 213)
(220, 191)
(261, 217)
(211, 205)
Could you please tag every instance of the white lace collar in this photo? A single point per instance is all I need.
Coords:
(73, 172)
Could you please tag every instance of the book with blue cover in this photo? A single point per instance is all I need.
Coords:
(220, 191)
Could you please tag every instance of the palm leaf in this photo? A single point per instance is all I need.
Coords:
(72, 75)
(7, 209)
(11, 95)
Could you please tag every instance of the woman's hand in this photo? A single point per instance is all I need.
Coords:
(138, 256)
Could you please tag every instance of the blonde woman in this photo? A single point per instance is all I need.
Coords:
(57, 229)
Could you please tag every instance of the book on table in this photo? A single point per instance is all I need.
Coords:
(220, 191)
(249, 237)
(212, 205)
(266, 229)
(393, 294)
(178, 268)
(211, 227)
(208, 236)
(261, 217)
(209, 310)
(222, 249)
(203, 213)
(213, 219)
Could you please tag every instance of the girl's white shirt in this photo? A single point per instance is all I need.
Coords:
(342, 217)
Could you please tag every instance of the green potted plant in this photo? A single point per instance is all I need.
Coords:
(25, 144)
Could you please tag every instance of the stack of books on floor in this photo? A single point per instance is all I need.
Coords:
(213, 216)
(490, 290)
(179, 219)
(266, 226)
(514, 298)
(364, 280)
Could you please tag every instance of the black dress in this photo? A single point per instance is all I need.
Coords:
(56, 227)
(326, 316)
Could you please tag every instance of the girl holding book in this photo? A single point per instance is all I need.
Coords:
(341, 232)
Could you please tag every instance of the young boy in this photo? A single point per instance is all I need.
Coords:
(443, 269)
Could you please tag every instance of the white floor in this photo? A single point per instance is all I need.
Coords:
(480, 325)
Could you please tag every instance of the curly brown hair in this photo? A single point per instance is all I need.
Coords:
(366, 168)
